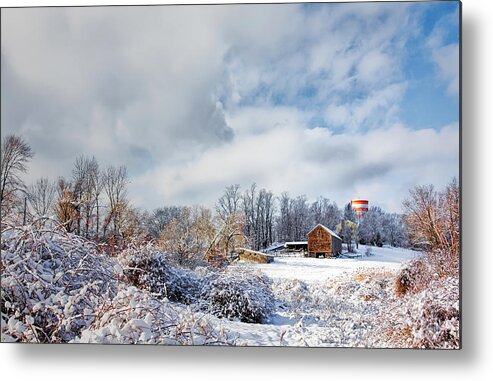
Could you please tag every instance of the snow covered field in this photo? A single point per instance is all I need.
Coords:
(325, 302)
(56, 287)
(318, 269)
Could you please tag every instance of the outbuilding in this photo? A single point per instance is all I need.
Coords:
(323, 242)
(253, 256)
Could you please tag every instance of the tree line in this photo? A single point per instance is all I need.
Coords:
(93, 202)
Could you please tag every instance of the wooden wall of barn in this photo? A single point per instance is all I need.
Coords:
(319, 242)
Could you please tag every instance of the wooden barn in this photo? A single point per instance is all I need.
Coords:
(323, 242)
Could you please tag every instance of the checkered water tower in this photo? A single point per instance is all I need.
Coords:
(360, 207)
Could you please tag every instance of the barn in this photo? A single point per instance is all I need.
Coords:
(323, 242)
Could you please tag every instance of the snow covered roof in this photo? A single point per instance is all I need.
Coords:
(327, 230)
(274, 246)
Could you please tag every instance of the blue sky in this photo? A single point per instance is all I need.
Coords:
(335, 100)
(425, 103)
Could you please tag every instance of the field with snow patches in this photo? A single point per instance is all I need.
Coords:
(325, 302)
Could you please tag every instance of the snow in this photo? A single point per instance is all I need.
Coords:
(332, 302)
(318, 269)
(57, 287)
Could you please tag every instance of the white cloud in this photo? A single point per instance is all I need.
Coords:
(447, 59)
(378, 109)
(374, 67)
(446, 55)
(378, 164)
(193, 99)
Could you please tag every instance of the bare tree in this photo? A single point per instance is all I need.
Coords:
(248, 204)
(422, 217)
(88, 186)
(115, 181)
(229, 202)
(188, 236)
(348, 230)
(258, 210)
(325, 212)
(133, 224)
(371, 226)
(66, 207)
(15, 155)
(449, 201)
(283, 222)
(394, 231)
(160, 218)
(433, 222)
(41, 196)
(300, 218)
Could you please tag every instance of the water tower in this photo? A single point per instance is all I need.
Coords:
(360, 207)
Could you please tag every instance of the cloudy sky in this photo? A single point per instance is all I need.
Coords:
(338, 100)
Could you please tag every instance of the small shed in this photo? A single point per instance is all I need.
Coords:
(323, 242)
(296, 246)
(275, 247)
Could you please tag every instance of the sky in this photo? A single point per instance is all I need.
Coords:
(335, 100)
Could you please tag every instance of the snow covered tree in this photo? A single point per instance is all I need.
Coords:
(371, 226)
(258, 209)
(229, 202)
(325, 212)
(188, 236)
(394, 230)
(284, 219)
(41, 197)
(349, 214)
(15, 155)
(160, 218)
(86, 177)
(433, 223)
(348, 230)
(66, 208)
(115, 181)
(231, 225)
(301, 218)
(422, 217)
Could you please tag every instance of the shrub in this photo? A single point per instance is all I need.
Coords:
(57, 288)
(239, 294)
(52, 282)
(135, 317)
(153, 271)
(412, 278)
(428, 318)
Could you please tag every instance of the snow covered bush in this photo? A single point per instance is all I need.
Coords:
(426, 319)
(239, 294)
(436, 316)
(52, 282)
(152, 270)
(135, 317)
(293, 291)
(413, 277)
(57, 288)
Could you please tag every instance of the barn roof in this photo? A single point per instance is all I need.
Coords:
(275, 246)
(327, 230)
